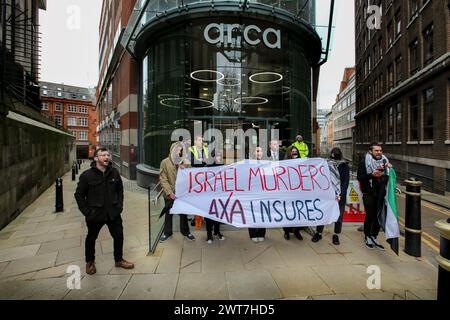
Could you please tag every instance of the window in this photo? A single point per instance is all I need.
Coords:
(74, 133)
(398, 70)
(414, 56)
(71, 121)
(58, 120)
(428, 44)
(413, 118)
(83, 110)
(83, 122)
(390, 136)
(44, 106)
(44, 92)
(413, 8)
(59, 94)
(428, 97)
(398, 24)
(84, 97)
(390, 34)
(72, 108)
(58, 107)
(398, 122)
(82, 135)
(390, 77)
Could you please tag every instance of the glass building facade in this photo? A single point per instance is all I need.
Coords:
(233, 65)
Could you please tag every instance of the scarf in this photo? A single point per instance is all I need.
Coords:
(373, 165)
(334, 174)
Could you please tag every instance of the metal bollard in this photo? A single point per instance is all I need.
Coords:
(59, 203)
(76, 167)
(73, 172)
(443, 290)
(79, 164)
(413, 223)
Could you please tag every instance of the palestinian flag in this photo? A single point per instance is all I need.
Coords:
(388, 216)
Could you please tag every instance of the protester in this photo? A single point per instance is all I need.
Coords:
(337, 163)
(99, 196)
(212, 224)
(301, 146)
(274, 153)
(167, 176)
(372, 176)
(257, 234)
(293, 154)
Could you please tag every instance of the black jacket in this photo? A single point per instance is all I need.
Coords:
(344, 176)
(99, 194)
(367, 182)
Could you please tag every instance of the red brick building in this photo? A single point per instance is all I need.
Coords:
(117, 88)
(72, 108)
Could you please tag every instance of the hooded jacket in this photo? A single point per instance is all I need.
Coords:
(168, 173)
(99, 195)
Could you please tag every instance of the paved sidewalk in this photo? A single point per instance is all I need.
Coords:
(37, 248)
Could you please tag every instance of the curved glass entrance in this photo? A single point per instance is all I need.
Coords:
(226, 74)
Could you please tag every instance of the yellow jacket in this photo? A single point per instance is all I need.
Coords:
(302, 148)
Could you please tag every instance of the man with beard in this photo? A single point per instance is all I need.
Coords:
(99, 196)
(372, 177)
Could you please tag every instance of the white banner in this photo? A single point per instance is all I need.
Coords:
(259, 194)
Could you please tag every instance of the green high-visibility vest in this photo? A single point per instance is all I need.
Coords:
(302, 148)
(193, 149)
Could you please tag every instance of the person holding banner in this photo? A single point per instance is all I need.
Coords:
(198, 155)
(167, 177)
(212, 224)
(257, 234)
(293, 154)
(339, 167)
(372, 176)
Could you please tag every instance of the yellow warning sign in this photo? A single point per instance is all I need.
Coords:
(353, 195)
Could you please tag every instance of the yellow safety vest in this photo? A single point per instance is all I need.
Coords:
(193, 149)
(302, 148)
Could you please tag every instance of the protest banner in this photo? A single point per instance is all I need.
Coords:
(259, 194)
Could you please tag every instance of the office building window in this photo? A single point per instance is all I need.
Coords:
(398, 24)
(390, 135)
(428, 45)
(83, 122)
(398, 122)
(414, 56)
(58, 107)
(83, 110)
(398, 70)
(390, 80)
(413, 118)
(58, 120)
(72, 108)
(413, 8)
(44, 92)
(390, 34)
(428, 98)
(44, 106)
(82, 135)
(59, 94)
(72, 121)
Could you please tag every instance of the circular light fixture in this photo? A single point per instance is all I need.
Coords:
(166, 102)
(226, 82)
(167, 95)
(219, 75)
(250, 101)
(279, 77)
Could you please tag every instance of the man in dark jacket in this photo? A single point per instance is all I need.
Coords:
(372, 180)
(99, 196)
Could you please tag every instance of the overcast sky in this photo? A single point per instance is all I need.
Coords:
(70, 45)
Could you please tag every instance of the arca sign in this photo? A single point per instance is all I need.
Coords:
(226, 35)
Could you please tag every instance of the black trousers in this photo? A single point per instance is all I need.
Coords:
(257, 232)
(338, 223)
(292, 229)
(210, 224)
(371, 225)
(115, 229)
(168, 222)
